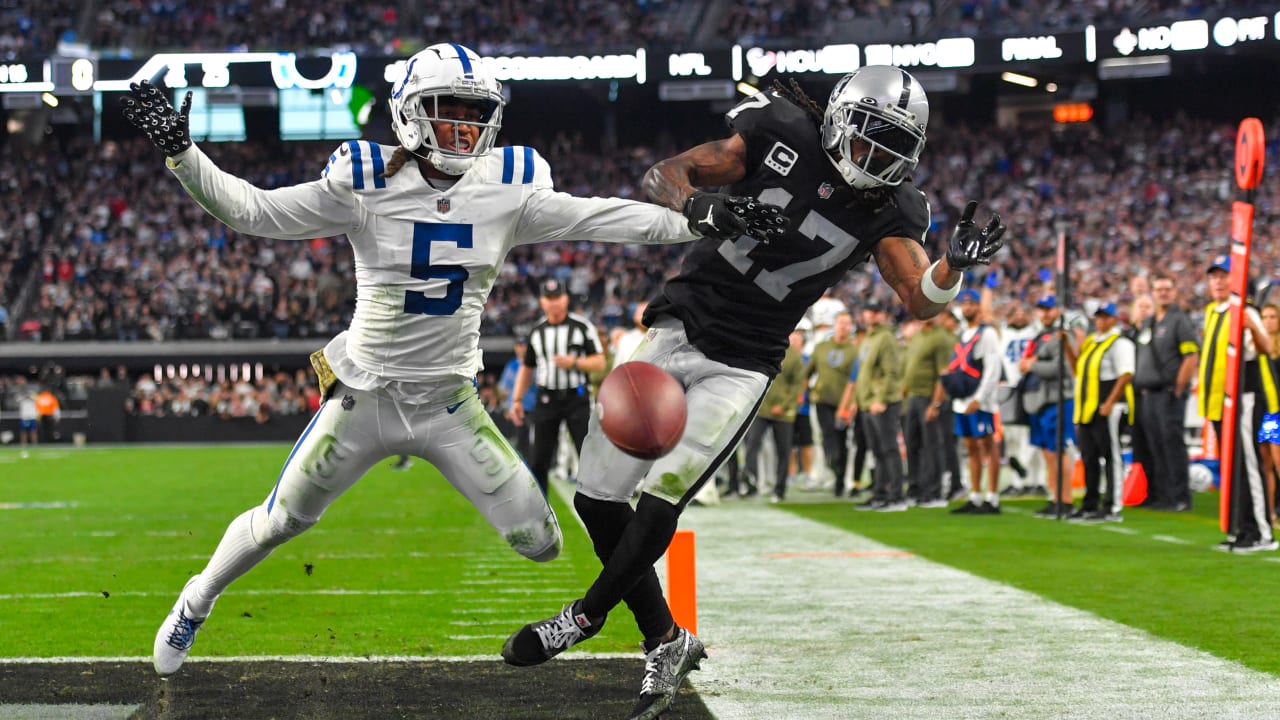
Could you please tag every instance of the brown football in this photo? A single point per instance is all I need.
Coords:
(642, 409)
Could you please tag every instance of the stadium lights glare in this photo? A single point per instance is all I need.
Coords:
(49, 99)
(1051, 87)
(1147, 66)
(747, 88)
(1019, 79)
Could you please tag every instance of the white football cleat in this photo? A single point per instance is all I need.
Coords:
(176, 635)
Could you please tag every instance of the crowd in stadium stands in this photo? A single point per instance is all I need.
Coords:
(581, 25)
(381, 27)
(829, 20)
(127, 257)
(513, 26)
(280, 393)
(206, 25)
(275, 394)
(32, 28)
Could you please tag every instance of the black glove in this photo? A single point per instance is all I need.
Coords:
(150, 111)
(970, 246)
(726, 217)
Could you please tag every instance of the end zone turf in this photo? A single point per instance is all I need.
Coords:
(582, 689)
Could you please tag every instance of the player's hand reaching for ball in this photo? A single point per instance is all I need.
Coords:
(971, 245)
(726, 217)
(152, 113)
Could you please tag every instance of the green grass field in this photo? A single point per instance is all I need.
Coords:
(401, 565)
(419, 571)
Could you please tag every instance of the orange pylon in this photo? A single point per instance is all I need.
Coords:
(682, 581)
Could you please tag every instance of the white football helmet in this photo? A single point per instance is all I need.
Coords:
(874, 126)
(445, 70)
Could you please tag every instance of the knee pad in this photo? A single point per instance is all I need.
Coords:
(275, 527)
(540, 544)
(549, 552)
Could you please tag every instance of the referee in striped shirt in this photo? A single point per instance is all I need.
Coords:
(562, 350)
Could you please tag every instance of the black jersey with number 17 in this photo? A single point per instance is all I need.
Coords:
(740, 299)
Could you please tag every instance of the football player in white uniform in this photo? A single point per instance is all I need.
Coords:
(430, 223)
(1016, 333)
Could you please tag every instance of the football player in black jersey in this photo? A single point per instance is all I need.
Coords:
(841, 176)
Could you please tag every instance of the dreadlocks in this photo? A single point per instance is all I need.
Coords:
(397, 161)
(796, 94)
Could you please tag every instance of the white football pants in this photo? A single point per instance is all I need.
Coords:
(722, 401)
(354, 430)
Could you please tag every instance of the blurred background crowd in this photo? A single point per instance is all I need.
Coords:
(514, 26)
(107, 247)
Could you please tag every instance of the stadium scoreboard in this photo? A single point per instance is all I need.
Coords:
(338, 87)
(65, 75)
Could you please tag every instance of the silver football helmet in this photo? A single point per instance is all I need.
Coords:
(445, 70)
(874, 126)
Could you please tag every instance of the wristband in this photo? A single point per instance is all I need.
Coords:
(934, 293)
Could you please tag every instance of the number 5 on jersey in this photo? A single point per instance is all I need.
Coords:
(417, 303)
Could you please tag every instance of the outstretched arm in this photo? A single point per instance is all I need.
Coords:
(926, 289)
(670, 182)
(298, 212)
(903, 264)
(674, 183)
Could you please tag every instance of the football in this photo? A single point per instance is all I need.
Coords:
(642, 410)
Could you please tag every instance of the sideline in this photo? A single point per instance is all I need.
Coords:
(795, 630)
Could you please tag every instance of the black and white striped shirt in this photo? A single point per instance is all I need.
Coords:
(575, 336)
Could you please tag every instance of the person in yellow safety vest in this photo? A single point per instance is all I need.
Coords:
(1104, 369)
(1249, 529)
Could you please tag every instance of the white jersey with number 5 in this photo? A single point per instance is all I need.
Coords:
(425, 259)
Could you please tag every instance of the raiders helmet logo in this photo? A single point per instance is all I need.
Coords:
(348, 402)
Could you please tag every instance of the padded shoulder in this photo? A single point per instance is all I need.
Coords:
(768, 115)
(914, 207)
(518, 165)
(359, 165)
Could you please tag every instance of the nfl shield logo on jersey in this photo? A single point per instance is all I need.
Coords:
(825, 190)
(442, 205)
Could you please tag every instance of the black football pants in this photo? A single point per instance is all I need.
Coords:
(925, 451)
(1160, 422)
(554, 407)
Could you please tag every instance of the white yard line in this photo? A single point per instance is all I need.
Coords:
(803, 620)
(522, 592)
(66, 712)
(572, 656)
(835, 625)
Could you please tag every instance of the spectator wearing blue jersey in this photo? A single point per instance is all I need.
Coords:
(520, 434)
